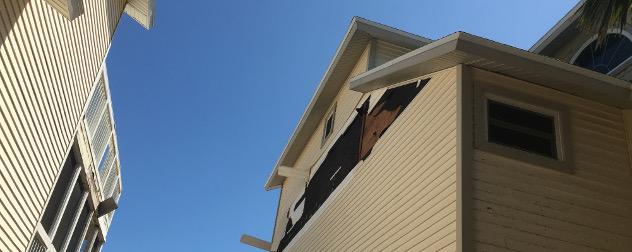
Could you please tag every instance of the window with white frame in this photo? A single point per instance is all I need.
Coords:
(66, 218)
(615, 50)
(328, 128)
(521, 127)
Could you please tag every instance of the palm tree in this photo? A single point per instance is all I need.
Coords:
(600, 15)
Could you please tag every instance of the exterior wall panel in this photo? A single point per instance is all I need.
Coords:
(346, 101)
(403, 196)
(521, 206)
(47, 68)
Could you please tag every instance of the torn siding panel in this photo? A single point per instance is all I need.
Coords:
(386, 110)
(345, 152)
(402, 197)
(345, 102)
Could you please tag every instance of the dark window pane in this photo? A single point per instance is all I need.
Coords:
(608, 56)
(96, 245)
(81, 224)
(58, 192)
(521, 129)
(522, 117)
(68, 215)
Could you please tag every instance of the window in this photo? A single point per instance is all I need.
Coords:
(613, 52)
(67, 215)
(522, 129)
(521, 126)
(329, 126)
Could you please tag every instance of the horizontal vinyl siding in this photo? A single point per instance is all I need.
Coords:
(385, 52)
(403, 196)
(346, 101)
(47, 68)
(520, 206)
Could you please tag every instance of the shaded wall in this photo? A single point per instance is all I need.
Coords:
(48, 66)
(521, 206)
(403, 195)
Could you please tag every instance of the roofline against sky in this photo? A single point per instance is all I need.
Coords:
(555, 31)
(457, 48)
(463, 48)
(358, 25)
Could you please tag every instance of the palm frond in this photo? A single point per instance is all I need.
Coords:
(600, 15)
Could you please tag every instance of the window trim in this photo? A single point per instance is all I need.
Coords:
(45, 237)
(326, 135)
(484, 92)
(616, 70)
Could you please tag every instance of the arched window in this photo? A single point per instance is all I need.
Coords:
(614, 51)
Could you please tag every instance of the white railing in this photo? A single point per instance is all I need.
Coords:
(107, 163)
(96, 108)
(102, 140)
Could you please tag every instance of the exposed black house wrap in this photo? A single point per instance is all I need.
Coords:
(353, 145)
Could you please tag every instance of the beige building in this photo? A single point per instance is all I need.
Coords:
(59, 168)
(461, 144)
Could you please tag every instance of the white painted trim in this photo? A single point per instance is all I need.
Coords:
(555, 114)
(556, 30)
(255, 242)
(307, 118)
(40, 233)
(75, 219)
(91, 240)
(84, 231)
(330, 115)
(290, 172)
(62, 208)
(463, 48)
(486, 86)
(589, 41)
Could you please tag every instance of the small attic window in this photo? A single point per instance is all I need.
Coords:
(329, 126)
(612, 53)
(520, 126)
(521, 129)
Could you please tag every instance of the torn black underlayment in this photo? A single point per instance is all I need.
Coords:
(353, 145)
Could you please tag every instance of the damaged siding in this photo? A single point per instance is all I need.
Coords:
(521, 206)
(403, 195)
(345, 102)
(354, 144)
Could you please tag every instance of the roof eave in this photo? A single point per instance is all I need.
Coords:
(357, 25)
(556, 30)
(463, 48)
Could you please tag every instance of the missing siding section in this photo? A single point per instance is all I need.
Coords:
(387, 109)
(354, 144)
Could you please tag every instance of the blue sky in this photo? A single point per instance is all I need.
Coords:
(205, 101)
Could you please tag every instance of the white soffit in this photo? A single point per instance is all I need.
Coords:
(143, 11)
(467, 49)
(357, 37)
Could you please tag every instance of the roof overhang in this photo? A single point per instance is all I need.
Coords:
(467, 49)
(357, 37)
(143, 11)
(559, 34)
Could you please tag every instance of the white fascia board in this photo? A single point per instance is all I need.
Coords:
(384, 32)
(345, 41)
(463, 48)
(557, 29)
(255, 242)
(274, 181)
(377, 78)
(143, 11)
